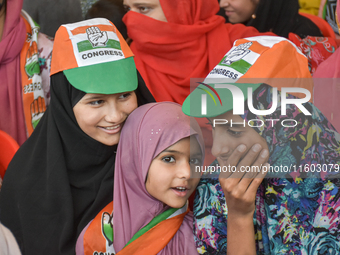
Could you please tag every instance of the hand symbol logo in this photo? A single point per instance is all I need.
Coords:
(32, 65)
(238, 53)
(96, 37)
(38, 108)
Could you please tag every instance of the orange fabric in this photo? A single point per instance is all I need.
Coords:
(33, 105)
(82, 30)
(156, 238)
(280, 67)
(94, 239)
(8, 147)
(62, 62)
(168, 54)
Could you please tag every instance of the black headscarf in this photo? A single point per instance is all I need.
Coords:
(60, 178)
(282, 17)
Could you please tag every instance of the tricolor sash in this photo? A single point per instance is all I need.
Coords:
(32, 90)
(151, 239)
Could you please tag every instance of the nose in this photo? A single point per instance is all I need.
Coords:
(184, 171)
(224, 3)
(114, 114)
(222, 147)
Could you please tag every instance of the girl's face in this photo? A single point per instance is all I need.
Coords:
(227, 137)
(151, 8)
(239, 11)
(169, 174)
(102, 116)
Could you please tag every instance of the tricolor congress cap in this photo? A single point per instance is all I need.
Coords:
(213, 99)
(94, 57)
(256, 60)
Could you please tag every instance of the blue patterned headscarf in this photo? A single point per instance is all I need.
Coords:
(297, 212)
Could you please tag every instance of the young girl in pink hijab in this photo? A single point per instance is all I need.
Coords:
(154, 177)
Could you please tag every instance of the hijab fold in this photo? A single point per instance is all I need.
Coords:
(14, 34)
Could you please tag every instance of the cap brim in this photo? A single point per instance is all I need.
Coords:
(105, 78)
(216, 103)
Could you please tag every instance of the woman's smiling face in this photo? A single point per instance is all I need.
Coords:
(102, 116)
(226, 137)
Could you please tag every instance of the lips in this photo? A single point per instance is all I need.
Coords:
(180, 191)
(112, 129)
(227, 12)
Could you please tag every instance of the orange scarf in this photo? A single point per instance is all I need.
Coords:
(189, 45)
(32, 91)
(98, 237)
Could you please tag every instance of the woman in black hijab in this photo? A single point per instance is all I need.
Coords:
(278, 16)
(62, 176)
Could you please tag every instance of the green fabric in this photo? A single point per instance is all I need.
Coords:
(159, 218)
(122, 74)
(192, 105)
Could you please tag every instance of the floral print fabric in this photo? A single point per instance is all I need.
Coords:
(297, 212)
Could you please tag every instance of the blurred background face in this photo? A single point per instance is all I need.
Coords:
(239, 11)
(227, 137)
(102, 116)
(151, 8)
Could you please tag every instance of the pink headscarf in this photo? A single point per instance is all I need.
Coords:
(149, 130)
(330, 68)
(11, 106)
(327, 91)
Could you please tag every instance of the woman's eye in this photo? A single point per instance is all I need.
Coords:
(234, 133)
(195, 161)
(125, 95)
(168, 159)
(97, 102)
(143, 9)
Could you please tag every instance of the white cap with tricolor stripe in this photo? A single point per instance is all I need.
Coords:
(94, 57)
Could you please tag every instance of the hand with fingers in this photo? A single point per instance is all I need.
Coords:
(96, 37)
(239, 187)
(38, 107)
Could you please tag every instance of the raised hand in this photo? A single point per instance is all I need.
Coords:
(239, 187)
(96, 37)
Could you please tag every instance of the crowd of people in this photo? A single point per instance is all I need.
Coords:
(119, 115)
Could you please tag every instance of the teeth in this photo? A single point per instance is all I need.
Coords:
(181, 188)
(110, 128)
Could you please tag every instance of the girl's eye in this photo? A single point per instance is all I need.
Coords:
(234, 133)
(168, 159)
(195, 161)
(97, 102)
(125, 95)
